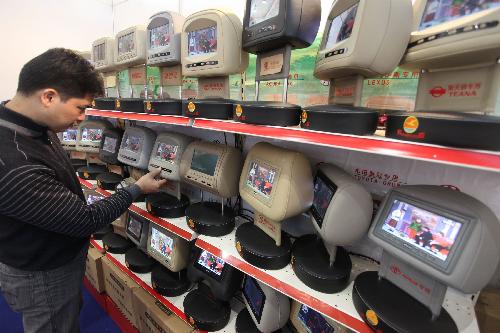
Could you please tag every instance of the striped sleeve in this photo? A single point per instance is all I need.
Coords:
(32, 194)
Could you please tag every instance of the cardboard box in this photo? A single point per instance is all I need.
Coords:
(119, 286)
(154, 317)
(93, 270)
(488, 310)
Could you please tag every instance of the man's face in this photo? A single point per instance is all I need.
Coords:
(63, 114)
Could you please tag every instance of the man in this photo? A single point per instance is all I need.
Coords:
(45, 222)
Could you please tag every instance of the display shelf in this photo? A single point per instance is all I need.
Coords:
(154, 118)
(484, 160)
(337, 306)
(174, 304)
(176, 225)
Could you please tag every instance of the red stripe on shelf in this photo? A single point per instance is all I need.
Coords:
(287, 289)
(123, 323)
(165, 224)
(97, 246)
(150, 290)
(85, 183)
(463, 157)
(99, 298)
(175, 120)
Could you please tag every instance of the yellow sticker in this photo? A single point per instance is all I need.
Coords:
(191, 107)
(238, 247)
(239, 110)
(86, 175)
(191, 223)
(99, 184)
(293, 260)
(372, 318)
(126, 264)
(117, 103)
(148, 206)
(411, 124)
(106, 247)
(303, 117)
(148, 106)
(93, 103)
(191, 320)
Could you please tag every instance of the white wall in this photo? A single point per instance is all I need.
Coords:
(30, 27)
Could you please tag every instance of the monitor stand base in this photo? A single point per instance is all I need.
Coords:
(387, 308)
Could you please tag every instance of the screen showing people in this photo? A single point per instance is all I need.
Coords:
(341, 26)
(126, 43)
(261, 179)
(70, 134)
(166, 152)
(92, 134)
(202, 41)
(254, 296)
(323, 194)
(91, 198)
(135, 227)
(204, 162)
(429, 232)
(159, 36)
(209, 262)
(440, 11)
(99, 52)
(109, 144)
(261, 10)
(161, 243)
(133, 143)
(312, 321)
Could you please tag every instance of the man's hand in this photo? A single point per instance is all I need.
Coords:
(150, 182)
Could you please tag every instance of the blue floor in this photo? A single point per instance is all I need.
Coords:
(93, 319)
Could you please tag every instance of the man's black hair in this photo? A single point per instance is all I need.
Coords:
(63, 70)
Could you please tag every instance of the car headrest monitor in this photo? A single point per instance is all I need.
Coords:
(213, 167)
(167, 248)
(167, 153)
(130, 49)
(254, 297)
(103, 54)
(271, 24)
(211, 44)
(447, 34)
(68, 138)
(89, 135)
(164, 39)
(136, 147)
(363, 37)
(342, 208)
(211, 265)
(110, 145)
(446, 234)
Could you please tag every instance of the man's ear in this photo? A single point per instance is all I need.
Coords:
(49, 96)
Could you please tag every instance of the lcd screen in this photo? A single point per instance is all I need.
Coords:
(341, 27)
(202, 41)
(166, 152)
(204, 162)
(429, 232)
(126, 43)
(91, 134)
(441, 11)
(262, 10)
(70, 134)
(261, 179)
(133, 143)
(91, 198)
(161, 243)
(255, 296)
(210, 264)
(109, 144)
(159, 36)
(134, 227)
(99, 52)
(312, 321)
(323, 194)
